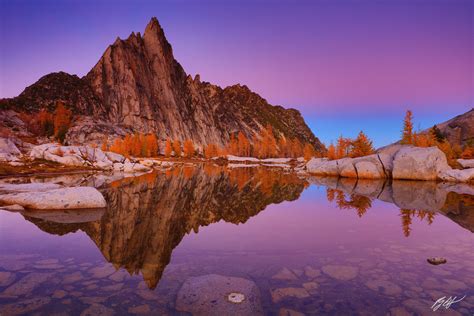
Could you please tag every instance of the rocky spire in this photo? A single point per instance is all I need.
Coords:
(138, 85)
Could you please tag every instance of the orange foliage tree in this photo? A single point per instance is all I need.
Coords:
(468, 152)
(331, 153)
(152, 146)
(118, 146)
(62, 120)
(243, 145)
(264, 145)
(308, 152)
(177, 148)
(46, 123)
(283, 148)
(361, 146)
(296, 148)
(188, 148)
(138, 145)
(211, 150)
(269, 143)
(343, 147)
(168, 148)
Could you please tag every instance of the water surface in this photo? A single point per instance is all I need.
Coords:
(308, 245)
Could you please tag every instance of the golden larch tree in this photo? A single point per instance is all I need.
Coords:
(188, 148)
(243, 145)
(62, 120)
(362, 146)
(308, 151)
(233, 146)
(296, 148)
(283, 147)
(343, 147)
(45, 122)
(331, 154)
(177, 148)
(151, 145)
(269, 143)
(117, 147)
(211, 150)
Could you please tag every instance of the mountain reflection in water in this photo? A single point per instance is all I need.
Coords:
(148, 216)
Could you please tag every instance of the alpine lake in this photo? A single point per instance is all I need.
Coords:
(209, 240)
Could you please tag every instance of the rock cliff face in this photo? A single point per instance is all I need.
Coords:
(137, 84)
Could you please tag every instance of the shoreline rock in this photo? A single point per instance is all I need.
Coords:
(57, 198)
(8, 151)
(397, 163)
(86, 156)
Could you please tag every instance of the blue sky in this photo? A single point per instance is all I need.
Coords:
(346, 65)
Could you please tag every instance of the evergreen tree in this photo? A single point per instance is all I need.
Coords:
(437, 134)
(407, 133)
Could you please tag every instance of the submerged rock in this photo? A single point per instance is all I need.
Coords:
(289, 312)
(97, 309)
(310, 272)
(285, 274)
(24, 307)
(27, 284)
(341, 272)
(384, 286)
(6, 278)
(282, 293)
(64, 198)
(219, 295)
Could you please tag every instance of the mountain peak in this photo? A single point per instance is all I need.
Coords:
(154, 26)
(138, 85)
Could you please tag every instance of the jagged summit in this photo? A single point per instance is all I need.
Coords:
(138, 84)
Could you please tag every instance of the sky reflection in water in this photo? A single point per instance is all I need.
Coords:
(343, 252)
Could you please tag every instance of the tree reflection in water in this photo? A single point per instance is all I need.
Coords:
(149, 215)
(362, 204)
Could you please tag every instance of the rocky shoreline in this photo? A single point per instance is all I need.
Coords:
(396, 162)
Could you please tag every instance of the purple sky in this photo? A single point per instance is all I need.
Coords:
(347, 65)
